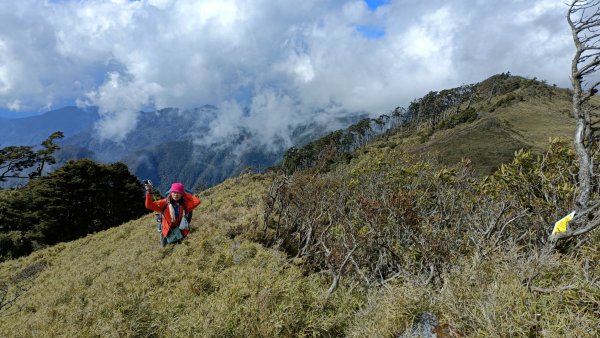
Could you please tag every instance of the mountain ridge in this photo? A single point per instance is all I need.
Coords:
(170, 136)
(511, 110)
(266, 249)
(34, 129)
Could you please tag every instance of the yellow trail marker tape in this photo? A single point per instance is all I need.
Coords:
(561, 225)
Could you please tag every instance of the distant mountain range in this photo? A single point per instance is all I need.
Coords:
(34, 129)
(163, 147)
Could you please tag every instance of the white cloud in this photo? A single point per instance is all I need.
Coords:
(119, 100)
(539, 9)
(268, 65)
(14, 105)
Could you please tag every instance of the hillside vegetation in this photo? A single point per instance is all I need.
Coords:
(354, 242)
(485, 122)
(120, 283)
(512, 113)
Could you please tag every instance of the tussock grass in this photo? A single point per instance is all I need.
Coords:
(486, 297)
(120, 282)
(221, 283)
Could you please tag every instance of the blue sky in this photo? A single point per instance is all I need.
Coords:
(371, 32)
(268, 65)
(373, 4)
(374, 31)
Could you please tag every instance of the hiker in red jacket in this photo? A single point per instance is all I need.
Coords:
(174, 208)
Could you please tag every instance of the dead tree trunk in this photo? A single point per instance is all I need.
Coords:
(584, 20)
(583, 17)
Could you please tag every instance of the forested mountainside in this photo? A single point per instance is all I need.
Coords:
(364, 239)
(165, 146)
(197, 166)
(158, 138)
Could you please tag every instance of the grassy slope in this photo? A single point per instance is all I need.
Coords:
(485, 297)
(121, 283)
(495, 136)
(488, 296)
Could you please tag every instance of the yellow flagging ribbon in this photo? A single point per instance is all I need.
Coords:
(561, 225)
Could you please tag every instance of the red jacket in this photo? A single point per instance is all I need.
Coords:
(190, 201)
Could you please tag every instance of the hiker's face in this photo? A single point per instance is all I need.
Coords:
(176, 196)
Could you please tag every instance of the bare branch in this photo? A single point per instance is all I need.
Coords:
(362, 275)
(431, 273)
(338, 275)
(591, 91)
(588, 68)
(522, 214)
(492, 226)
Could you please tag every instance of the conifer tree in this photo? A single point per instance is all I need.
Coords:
(83, 197)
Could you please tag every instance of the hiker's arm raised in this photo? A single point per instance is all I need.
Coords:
(157, 206)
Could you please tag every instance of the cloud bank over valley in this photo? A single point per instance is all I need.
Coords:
(269, 66)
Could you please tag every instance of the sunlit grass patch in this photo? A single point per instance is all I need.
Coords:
(120, 282)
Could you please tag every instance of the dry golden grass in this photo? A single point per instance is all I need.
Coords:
(495, 136)
(488, 298)
(219, 283)
(120, 282)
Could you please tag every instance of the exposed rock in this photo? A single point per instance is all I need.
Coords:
(423, 327)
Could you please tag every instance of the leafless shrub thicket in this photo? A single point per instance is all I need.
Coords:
(404, 217)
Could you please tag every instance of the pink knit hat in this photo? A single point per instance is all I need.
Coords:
(177, 187)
